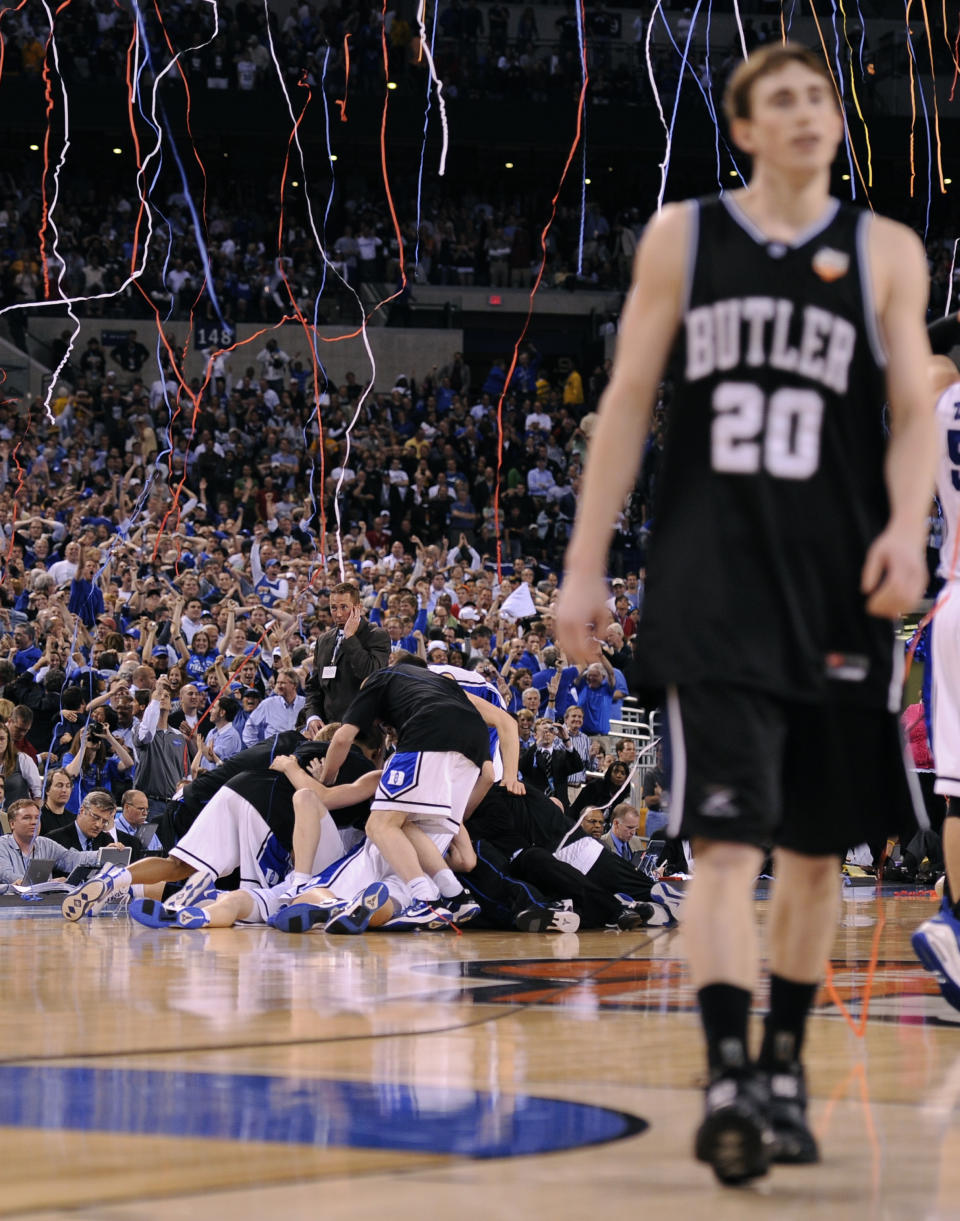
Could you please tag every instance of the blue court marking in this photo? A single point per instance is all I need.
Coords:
(290, 1110)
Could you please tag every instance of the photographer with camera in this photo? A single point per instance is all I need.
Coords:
(96, 759)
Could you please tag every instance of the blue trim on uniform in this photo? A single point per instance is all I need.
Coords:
(303, 1111)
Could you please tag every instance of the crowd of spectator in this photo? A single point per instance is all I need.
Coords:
(165, 578)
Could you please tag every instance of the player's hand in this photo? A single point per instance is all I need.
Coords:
(353, 622)
(282, 763)
(315, 768)
(581, 612)
(516, 787)
(894, 575)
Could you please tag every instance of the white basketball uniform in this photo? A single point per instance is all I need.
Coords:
(945, 699)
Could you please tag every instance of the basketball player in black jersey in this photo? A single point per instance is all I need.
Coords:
(787, 538)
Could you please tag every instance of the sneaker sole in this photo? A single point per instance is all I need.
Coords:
(301, 917)
(192, 917)
(87, 901)
(546, 920)
(152, 914)
(932, 949)
(734, 1146)
(357, 915)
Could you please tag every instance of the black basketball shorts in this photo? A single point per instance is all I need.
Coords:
(815, 778)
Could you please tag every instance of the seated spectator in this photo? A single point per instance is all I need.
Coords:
(132, 819)
(23, 845)
(525, 724)
(592, 823)
(623, 838)
(91, 829)
(96, 760)
(601, 792)
(54, 815)
(20, 775)
(276, 714)
(657, 817)
(573, 723)
(20, 723)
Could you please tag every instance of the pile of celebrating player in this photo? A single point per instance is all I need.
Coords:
(325, 829)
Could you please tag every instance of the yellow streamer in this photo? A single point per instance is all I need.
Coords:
(856, 100)
(826, 56)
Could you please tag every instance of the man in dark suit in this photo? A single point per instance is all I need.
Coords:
(345, 655)
(91, 829)
(623, 838)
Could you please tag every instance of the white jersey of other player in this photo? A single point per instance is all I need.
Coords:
(948, 480)
(475, 684)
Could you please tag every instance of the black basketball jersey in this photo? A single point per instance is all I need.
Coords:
(771, 487)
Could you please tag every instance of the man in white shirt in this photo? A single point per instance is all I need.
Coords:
(65, 570)
(276, 714)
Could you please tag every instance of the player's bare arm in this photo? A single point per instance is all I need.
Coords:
(334, 798)
(894, 572)
(647, 329)
(337, 751)
(506, 728)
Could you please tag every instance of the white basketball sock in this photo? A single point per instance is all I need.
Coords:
(423, 888)
(447, 883)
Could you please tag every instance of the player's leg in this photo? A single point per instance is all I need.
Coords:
(424, 785)
(151, 872)
(319, 905)
(231, 907)
(316, 839)
(726, 744)
(434, 852)
(801, 928)
(937, 941)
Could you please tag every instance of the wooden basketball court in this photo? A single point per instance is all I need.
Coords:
(248, 1074)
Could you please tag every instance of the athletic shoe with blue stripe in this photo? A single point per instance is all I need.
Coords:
(192, 917)
(353, 917)
(420, 915)
(200, 887)
(666, 896)
(152, 913)
(463, 907)
(92, 897)
(937, 944)
(302, 917)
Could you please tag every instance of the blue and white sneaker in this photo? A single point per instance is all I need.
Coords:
(153, 913)
(353, 917)
(669, 897)
(200, 887)
(92, 897)
(419, 915)
(302, 917)
(192, 917)
(937, 944)
(463, 907)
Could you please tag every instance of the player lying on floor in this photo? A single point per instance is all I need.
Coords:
(249, 824)
(354, 892)
(533, 873)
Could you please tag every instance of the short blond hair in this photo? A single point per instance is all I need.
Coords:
(769, 59)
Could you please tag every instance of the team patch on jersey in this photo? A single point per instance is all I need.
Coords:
(847, 667)
(401, 773)
(830, 264)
